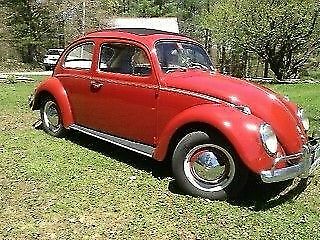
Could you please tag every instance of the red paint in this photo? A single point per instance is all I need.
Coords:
(54, 87)
(150, 109)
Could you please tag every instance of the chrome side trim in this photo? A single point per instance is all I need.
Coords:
(245, 109)
(195, 94)
(131, 145)
(126, 83)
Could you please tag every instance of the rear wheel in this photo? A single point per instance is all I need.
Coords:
(207, 167)
(51, 118)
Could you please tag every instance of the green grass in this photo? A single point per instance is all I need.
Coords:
(307, 96)
(81, 188)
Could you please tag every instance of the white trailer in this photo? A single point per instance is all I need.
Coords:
(169, 24)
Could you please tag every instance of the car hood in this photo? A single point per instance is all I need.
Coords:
(265, 104)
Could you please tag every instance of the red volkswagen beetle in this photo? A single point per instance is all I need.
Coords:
(156, 93)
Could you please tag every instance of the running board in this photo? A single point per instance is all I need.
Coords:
(134, 146)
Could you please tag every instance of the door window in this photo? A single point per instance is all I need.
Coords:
(80, 57)
(124, 59)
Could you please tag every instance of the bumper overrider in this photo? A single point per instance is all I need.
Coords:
(309, 162)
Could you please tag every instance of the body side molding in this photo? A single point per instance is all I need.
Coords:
(131, 145)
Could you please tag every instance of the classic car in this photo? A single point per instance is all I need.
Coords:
(158, 94)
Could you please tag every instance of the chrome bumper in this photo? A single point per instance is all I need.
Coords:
(310, 161)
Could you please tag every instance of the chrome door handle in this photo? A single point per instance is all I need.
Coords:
(96, 85)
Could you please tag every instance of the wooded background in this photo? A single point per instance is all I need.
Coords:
(245, 38)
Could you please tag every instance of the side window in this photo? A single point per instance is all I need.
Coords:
(125, 59)
(80, 57)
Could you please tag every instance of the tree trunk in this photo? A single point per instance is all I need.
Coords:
(245, 65)
(276, 69)
(206, 40)
(266, 69)
(28, 53)
(223, 59)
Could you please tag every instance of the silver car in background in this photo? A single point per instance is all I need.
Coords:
(51, 58)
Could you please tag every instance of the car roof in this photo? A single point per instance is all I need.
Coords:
(143, 35)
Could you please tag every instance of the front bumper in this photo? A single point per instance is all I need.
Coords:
(310, 161)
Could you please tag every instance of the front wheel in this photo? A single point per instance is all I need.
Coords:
(51, 118)
(207, 167)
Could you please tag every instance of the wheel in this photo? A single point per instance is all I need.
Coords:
(207, 167)
(47, 68)
(51, 118)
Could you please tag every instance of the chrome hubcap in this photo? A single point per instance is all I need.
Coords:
(209, 167)
(51, 116)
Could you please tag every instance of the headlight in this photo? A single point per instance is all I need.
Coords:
(304, 119)
(268, 138)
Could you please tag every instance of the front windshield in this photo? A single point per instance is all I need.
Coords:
(174, 55)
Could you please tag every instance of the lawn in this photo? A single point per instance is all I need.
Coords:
(82, 188)
(307, 96)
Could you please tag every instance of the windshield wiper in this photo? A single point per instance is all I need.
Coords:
(198, 65)
(176, 68)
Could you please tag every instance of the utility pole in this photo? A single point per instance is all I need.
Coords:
(83, 16)
(208, 34)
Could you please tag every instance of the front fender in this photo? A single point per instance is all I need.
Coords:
(240, 129)
(53, 87)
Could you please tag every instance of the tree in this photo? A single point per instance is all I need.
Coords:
(80, 16)
(187, 12)
(31, 28)
(283, 33)
(146, 8)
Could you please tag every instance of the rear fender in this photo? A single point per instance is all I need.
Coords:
(52, 86)
(240, 129)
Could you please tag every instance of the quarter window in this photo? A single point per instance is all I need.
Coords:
(124, 59)
(80, 57)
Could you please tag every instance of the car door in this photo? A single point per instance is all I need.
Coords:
(124, 91)
(75, 74)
